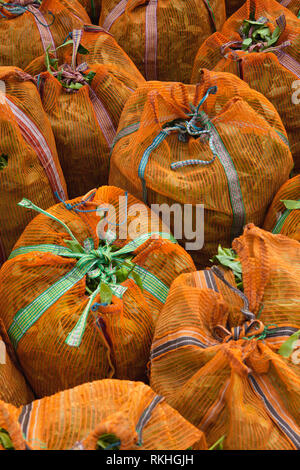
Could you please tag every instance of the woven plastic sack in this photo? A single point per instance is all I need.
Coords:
(292, 5)
(65, 326)
(281, 219)
(78, 418)
(233, 5)
(29, 164)
(162, 37)
(28, 28)
(273, 71)
(227, 378)
(217, 143)
(13, 387)
(84, 121)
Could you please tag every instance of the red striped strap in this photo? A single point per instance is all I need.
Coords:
(76, 36)
(151, 41)
(45, 33)
(37, 141)
(114, 14)
(103, 118)
(288, 62)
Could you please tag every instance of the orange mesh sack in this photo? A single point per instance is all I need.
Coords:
(233, 5)
(269, 63)
(102, 415)
(217, 143)
(162, 36)
(84, 103)
(13, 387)
(284, 214)
(29, 27)
(227, 377)
(78, 307)
(293, 5)
(29, 164)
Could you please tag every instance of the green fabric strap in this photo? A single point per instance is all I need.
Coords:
(234, 187)
(152, 284)
(27, 316)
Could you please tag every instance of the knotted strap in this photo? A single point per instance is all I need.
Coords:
(100, 264)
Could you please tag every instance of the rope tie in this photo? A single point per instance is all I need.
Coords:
(18, 7)
(237, 45)
(249, 330)
(189, 128)
(245, 310)
(67, 75)
(87, 202)
(254, 329)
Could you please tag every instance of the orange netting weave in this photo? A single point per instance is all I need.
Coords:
(85, 121)
(13, 387)
(29, 164)
(162, 36)
(280, 219)
(233, 161)
(65, 336)
(27, 29)
(222, 372)
(293, 5)
(273, 71)
(77, 418)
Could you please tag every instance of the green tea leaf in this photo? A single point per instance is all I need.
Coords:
(53, 63)
(246, 43)
(138, 280)
(5, 440)
(70, 41)
(275, 37)
(228, 258)
(74, 246)
(259, 34)
(291, 205)
(287, 347)
(256, 22)
(73, 86)
(3, 161)
(82, 50)
(89, 77)
(218, 445)
(50, 61)
(122, 274)
(262, 34)
(105, 293)
(110, 441)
